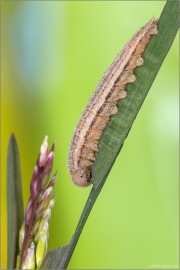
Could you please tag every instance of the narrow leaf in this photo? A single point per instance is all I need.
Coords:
(15, 211)
(121, 123)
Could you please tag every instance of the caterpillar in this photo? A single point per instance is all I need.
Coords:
(103, 104)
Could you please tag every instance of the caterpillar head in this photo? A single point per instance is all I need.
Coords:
(81, 178)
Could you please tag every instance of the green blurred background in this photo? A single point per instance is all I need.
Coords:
(53, 56)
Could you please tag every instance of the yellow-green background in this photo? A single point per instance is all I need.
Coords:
(53, 55)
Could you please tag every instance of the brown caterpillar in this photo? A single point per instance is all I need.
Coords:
(103, 103)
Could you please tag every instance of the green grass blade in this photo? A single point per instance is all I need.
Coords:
(121, 123)
(129, 107)
(15, 211)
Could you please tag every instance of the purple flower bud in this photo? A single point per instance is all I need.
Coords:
(43, 202)
(45, 178)
(39, 211)
(34, 182)
(51, 184)
(29, 209)
(52, 147)
(47, 170)
(35, 173)
(43, 152)
(49, 161)
(46, 195)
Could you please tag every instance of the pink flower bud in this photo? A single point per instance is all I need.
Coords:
(34, 182)
(45, 178)
(29, 209)
(43, 202)
(49, 161)
(43, 152)
(52, 147)
(47, 170)
(51, 184)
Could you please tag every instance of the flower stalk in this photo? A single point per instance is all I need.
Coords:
(33, 237)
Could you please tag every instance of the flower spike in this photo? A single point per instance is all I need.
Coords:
(34, 234)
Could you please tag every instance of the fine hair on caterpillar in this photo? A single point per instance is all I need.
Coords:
(103, 104)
